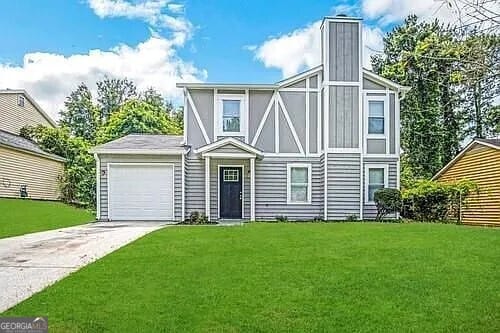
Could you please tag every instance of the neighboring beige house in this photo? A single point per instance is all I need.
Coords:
(25, 169)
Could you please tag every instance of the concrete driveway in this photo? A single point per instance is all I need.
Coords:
(31, 262)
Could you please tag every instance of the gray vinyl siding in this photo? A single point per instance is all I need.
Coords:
(370, 210)
(344, 51)
(258, 102)
(295, 103)
(271, 190)
(344, 117)
(228, 149)
(194, 134)
(343, 185)
(265, 141)
(313, 122)
(204, 102)
(214, 185)
(299, 84)
(175, 160)
(375, 146)
(194, 184)
(370, 85)
(313, 81)
(287, 142)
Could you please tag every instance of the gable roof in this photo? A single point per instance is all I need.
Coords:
(383, 81)
(229, 141)
(492, 143)
(151, 144)
(290, 80)
(32, 101)
(19, 143)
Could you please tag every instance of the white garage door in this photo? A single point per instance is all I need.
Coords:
(141, 192)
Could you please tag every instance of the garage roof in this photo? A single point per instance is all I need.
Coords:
(153, 144)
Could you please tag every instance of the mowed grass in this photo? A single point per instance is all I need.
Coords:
(18, 217)
(343, 277)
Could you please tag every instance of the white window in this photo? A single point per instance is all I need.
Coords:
(231, 116)
(298, 183)
(376, 178)
(376, 119)
(20, 101)
(231, 175)
(376, 110)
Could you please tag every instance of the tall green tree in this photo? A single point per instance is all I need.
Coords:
(420, 55)
(80, 115)
(479, 79)
(112, 93)
(137, 117)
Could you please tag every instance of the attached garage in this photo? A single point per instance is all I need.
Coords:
(139, 191)
(140, 178)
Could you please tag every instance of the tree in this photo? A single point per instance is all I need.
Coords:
(479, 79)
(81, 116)
(137, 117)
(418, 55)
(112, 93)
(77, 183)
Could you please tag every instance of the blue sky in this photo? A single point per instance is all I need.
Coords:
(50, 46)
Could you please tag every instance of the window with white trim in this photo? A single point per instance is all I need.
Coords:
(376, 117)
(231, 175)
(376, 178)
(231, 115)
(20, 101)
(299, 183)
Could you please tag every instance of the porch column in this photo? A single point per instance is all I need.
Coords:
(252, 189)
(207, 187)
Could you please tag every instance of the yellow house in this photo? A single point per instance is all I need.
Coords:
(479, 161)
(25, 169)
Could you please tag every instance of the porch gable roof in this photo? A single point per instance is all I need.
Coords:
(247, 151)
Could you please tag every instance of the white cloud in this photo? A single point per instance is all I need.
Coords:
(300, 49)
(51, 77)
(157, 13)
(291, 52)
(393, 11)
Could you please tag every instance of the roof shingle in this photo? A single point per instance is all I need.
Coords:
(18, 142)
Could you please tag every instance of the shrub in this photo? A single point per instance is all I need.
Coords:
(282, 218)
(351, 218)
(318, 219)
(196, 218)
(388, 200)
(433, 201)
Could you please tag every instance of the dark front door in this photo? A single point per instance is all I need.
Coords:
(230, 196)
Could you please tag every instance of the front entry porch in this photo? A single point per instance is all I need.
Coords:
(229, 180)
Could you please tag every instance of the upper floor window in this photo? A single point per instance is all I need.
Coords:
(230, 115)
(299, 183)
(377, 179)
(20, 101)
(376, 117)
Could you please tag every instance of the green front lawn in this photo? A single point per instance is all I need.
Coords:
(18, 217)
(351, 277)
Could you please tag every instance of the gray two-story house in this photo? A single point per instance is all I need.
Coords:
(315, 145)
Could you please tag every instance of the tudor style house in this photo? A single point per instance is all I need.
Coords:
(315, 145)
